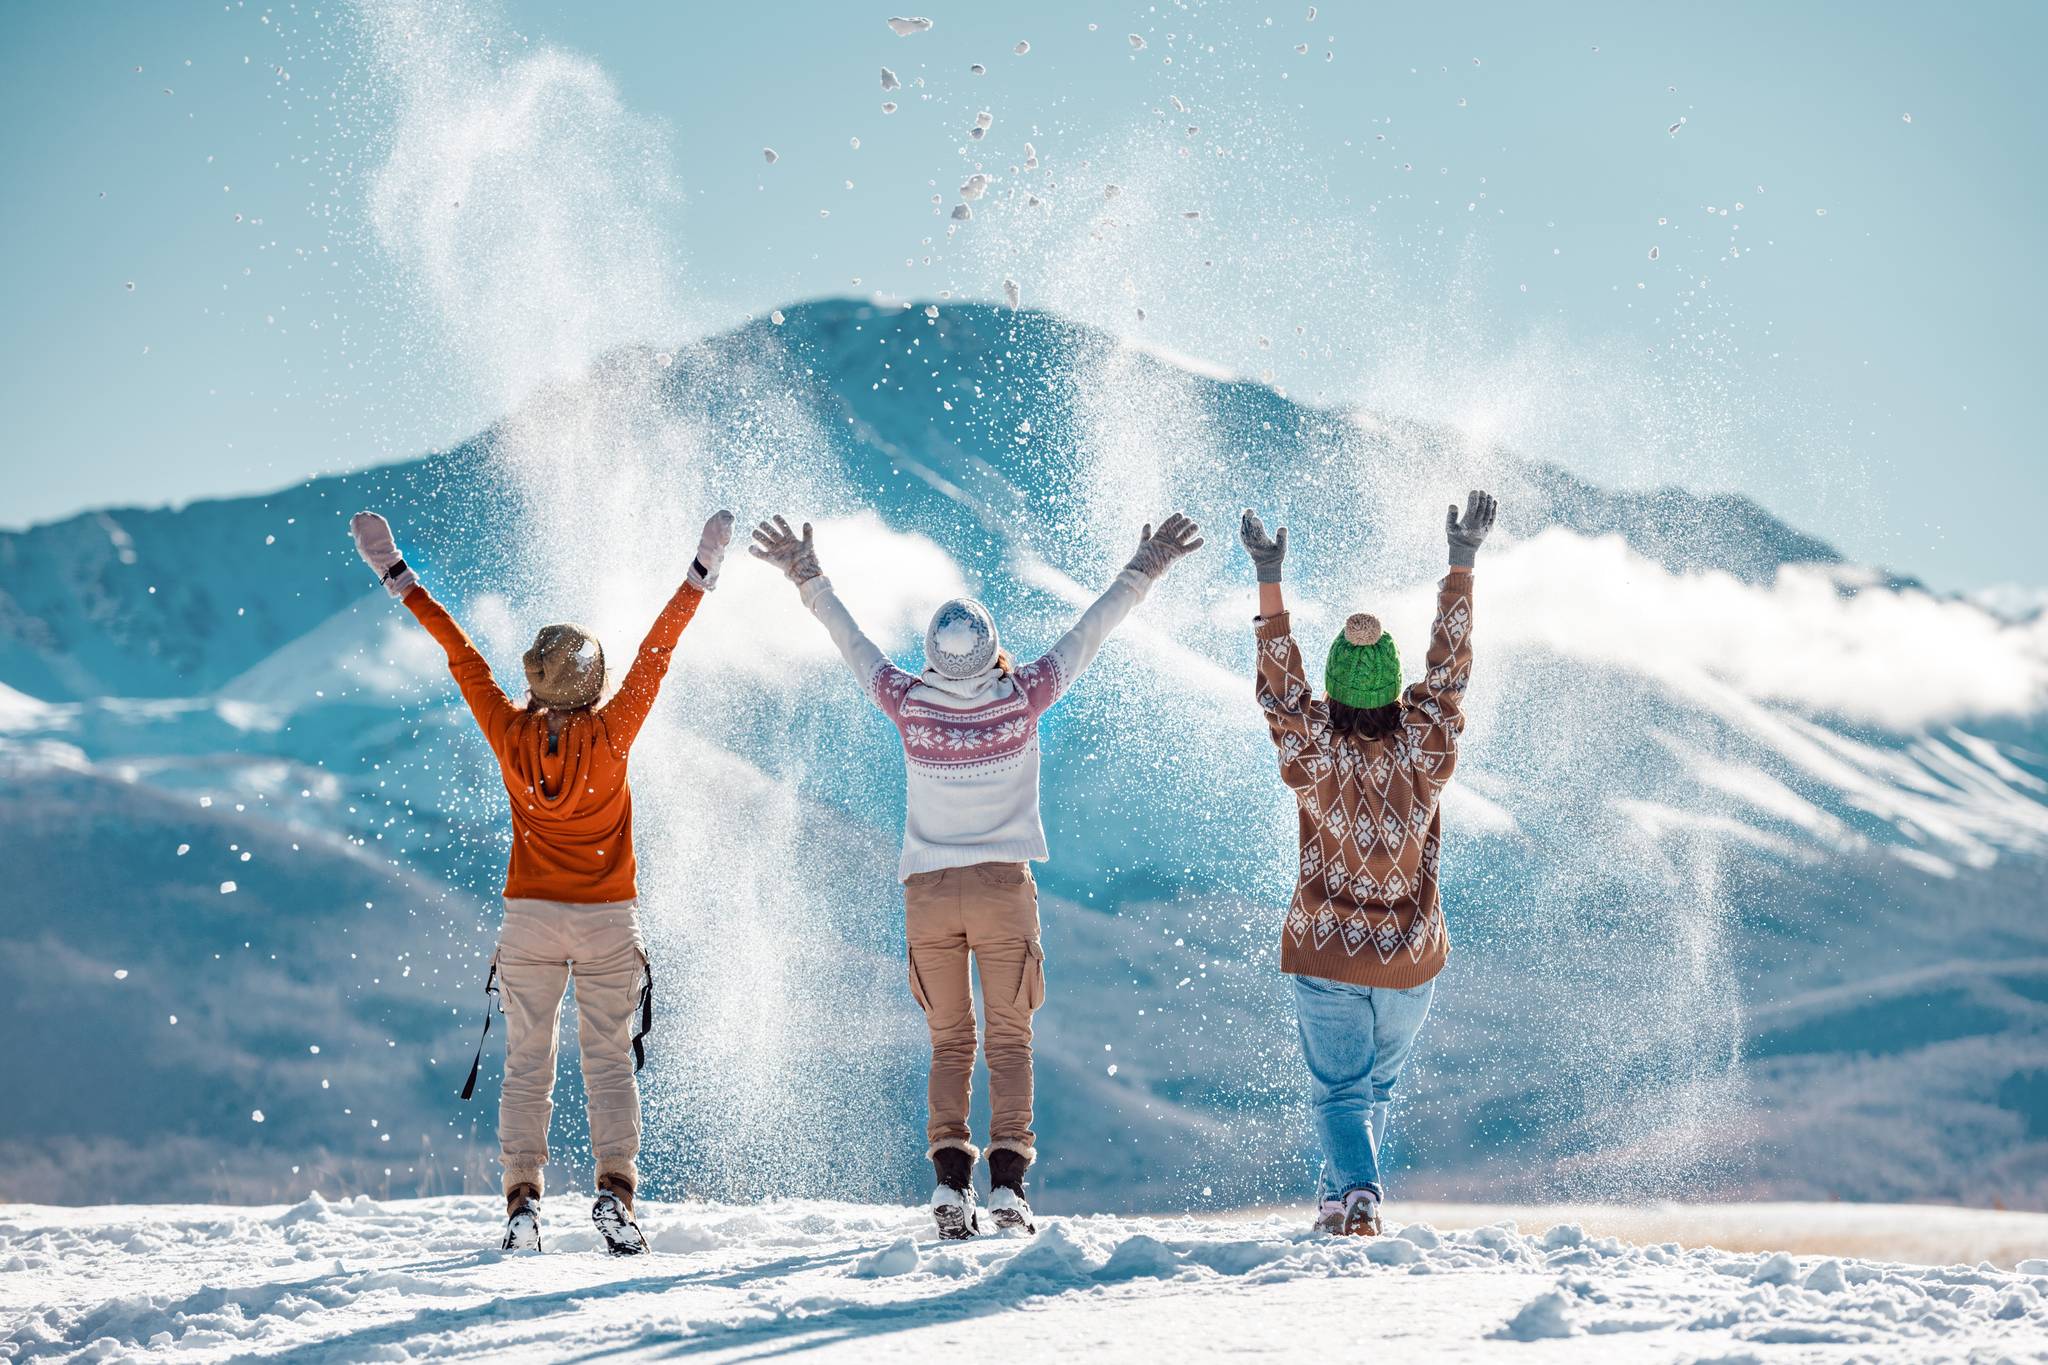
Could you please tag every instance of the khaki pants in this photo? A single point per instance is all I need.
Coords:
(542, 946)
(989, 910)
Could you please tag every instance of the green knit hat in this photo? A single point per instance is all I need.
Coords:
(1364, 669)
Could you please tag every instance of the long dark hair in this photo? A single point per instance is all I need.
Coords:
(1375, 722)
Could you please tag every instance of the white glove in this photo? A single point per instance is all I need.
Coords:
(711, 550)
(795, 555)
(380, 552)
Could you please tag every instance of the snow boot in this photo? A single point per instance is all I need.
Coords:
(1361, 1213)
(953, 1199)
(613, 1214)
(1330, 1217)
(1006, 1206)
(522, 1219)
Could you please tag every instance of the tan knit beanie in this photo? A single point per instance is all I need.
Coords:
(565, 668)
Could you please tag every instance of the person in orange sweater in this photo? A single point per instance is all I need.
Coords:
(570, 892)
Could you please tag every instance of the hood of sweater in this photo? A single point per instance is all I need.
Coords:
(988, 685)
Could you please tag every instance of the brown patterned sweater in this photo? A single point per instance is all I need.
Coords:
(1365, 907)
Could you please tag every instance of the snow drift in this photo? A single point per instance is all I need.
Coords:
(359, 1279)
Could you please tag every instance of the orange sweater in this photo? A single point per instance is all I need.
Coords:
(572, 812)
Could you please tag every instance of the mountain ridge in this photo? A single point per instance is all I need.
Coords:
(49, 647)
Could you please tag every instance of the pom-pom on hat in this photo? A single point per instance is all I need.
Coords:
(565, 668)
(1364, 668)
(961, 641)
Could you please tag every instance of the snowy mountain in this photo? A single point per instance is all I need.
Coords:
(1748, 855)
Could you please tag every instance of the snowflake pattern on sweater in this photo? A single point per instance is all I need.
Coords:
(970, 746)
(1366, 908)
(947, 740)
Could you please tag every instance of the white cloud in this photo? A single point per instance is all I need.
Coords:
(1903, 661)
(20, 711)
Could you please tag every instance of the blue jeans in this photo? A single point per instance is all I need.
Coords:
(1356, 1040)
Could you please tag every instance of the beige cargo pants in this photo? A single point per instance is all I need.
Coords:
(989, 911)
(543, 946)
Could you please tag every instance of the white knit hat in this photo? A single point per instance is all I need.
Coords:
(961, 640)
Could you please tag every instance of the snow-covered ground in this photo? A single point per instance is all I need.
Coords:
(362, 1281)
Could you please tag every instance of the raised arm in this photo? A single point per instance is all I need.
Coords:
(1044, 680)
(494, 711)
(797, 557)
(1279, 681)
(627, 711)
(1439, 695)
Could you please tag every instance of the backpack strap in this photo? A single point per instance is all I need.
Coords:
(646, 1019)
(490, 1006)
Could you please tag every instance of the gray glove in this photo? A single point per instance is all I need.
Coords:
(780, 546)
(1156, 550)
(1466, 535)
(1266, 551)
(380, 552)
(711, 550)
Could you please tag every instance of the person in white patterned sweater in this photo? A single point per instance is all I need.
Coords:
(1367, 764)
(969, 725)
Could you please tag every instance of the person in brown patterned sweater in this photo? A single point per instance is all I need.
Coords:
(1364, 935)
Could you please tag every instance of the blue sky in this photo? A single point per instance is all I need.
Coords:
(1456, 208)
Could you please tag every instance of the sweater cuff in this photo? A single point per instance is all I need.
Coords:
(811, 589)
(1271, 627)
(1458, 570)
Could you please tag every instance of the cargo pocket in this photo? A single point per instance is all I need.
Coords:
(1031, 991)
(916, 981)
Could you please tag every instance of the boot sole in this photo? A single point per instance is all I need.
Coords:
(955, 1224)
(1009, 1220)
(620, 1238)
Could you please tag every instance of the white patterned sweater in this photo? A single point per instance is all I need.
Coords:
(970, 748)
(1365, 907)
